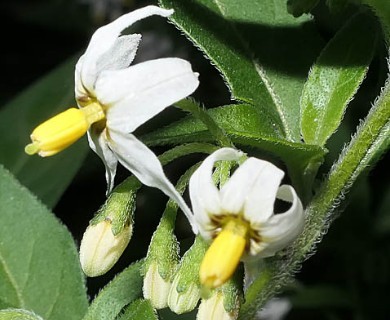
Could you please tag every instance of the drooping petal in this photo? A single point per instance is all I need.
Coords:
(105, 37)
(136, 94)
(98, 143)
(205, 197)
(281, 229)
(251, 190)
(143, 163)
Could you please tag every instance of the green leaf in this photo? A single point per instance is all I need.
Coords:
(241, 123)
(382, 10)
(18, 314)
(260, 50)
(237, 118)
(368, 144)
(39, 265)
(139, 309)
(45, 177)
(335, 78)
(122, 290)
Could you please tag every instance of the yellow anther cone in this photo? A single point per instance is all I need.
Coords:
(224, 254)
(59, 132)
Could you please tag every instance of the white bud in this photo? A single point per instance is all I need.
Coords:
(100, 249)
(155, 288)
(213, 309)
(183, 301)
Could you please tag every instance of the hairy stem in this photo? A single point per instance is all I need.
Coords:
(217, 132)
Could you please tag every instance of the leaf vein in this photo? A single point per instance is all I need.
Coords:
(275, 98)
(13, 282)
(261, 74)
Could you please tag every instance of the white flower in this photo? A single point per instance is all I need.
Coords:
(115, 99)
(240, 216)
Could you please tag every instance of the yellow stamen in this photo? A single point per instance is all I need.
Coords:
(224, 254)
(59, 132)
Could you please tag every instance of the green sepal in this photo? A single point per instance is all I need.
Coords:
(232, 291)
(164, 247)
(120, 206)
(188, 271)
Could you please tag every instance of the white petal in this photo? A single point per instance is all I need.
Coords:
(98, 143)
(119, 56)
(259, 204)
(205, 197)
(79, 89)
(105, 37)
(281, 229)
(143, 163)
(251, 190)
(136, 94)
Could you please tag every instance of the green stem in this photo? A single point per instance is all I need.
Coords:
(371, 140)
(186, 149)
(169, 215)
(121, 200)
(217, 132)
(164, 249)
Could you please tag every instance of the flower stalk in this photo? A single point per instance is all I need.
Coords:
(163, 254)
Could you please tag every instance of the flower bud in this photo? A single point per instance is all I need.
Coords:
(213, 309)
(185, 290)
(100, 249)
(223, 302)
(156, 288)
(162, 259)
(110, 230)
(182, 301)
